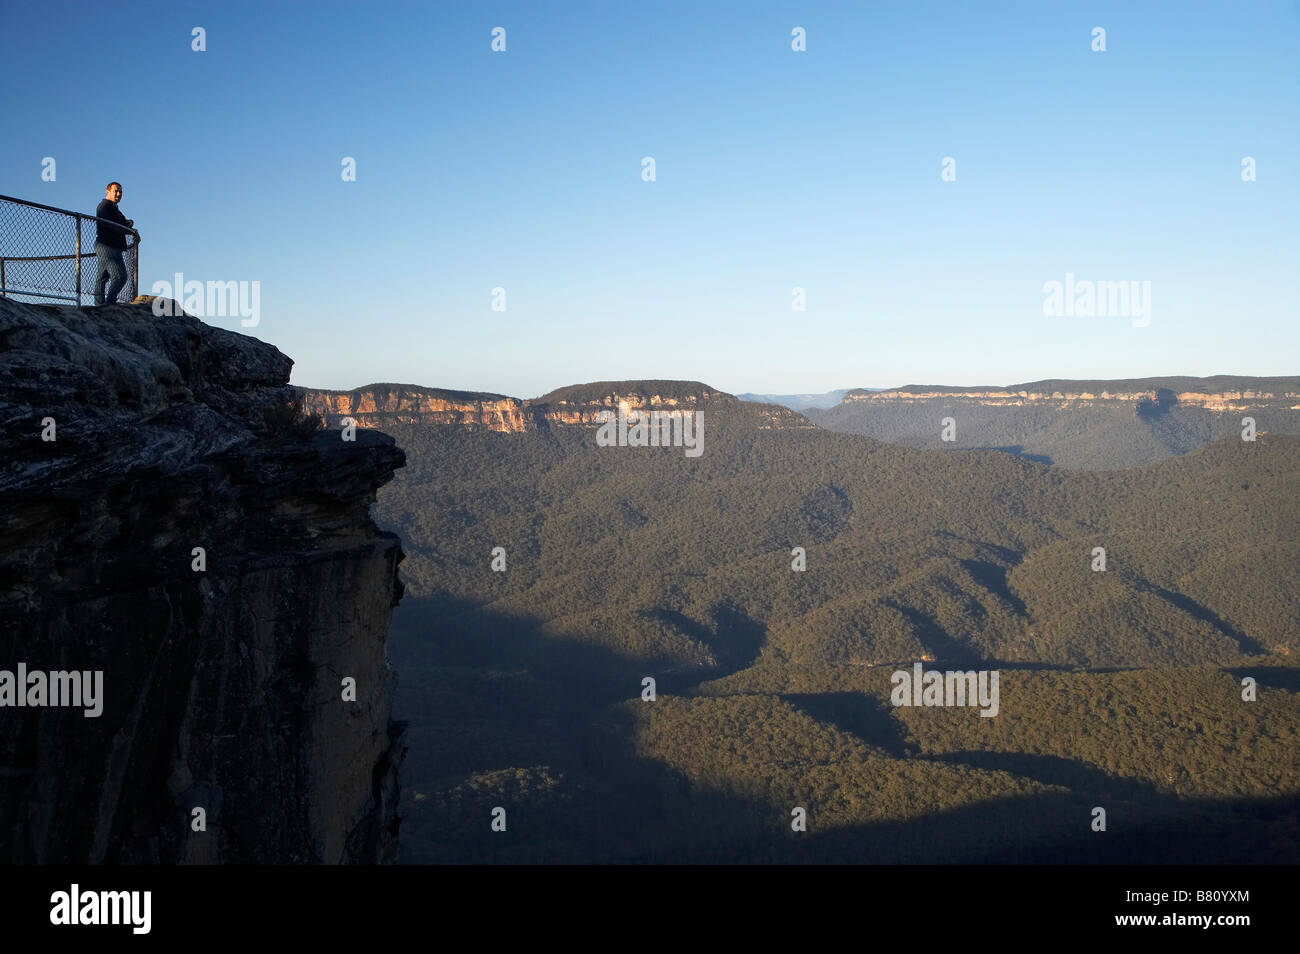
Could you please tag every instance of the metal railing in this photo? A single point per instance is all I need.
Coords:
(49, 254)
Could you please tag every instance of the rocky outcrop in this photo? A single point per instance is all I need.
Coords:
(172, 522)
(380, 405)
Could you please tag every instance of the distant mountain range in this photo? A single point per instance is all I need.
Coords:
(1090, 425)
(1093, 425)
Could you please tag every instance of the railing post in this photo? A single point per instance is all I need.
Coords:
(77, 221)
(135, 270)
(2, 279)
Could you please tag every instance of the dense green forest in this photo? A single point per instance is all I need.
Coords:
(1120, 688)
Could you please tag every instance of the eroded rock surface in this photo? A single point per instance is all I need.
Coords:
(223, 686)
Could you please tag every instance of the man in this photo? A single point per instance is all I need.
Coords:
(110, 243)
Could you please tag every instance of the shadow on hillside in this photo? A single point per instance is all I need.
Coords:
(946, 650)
(738, 639)
(994, 579)
(1271, 677)
(858, 714)
(1053, 828)
(735, 640)
(1006, 554)
(1054, 770)
(1194, 609)
(1151, 410)
(502, 715)
(1019, 451)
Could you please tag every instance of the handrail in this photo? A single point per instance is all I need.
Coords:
(39, 235)
(79, 215)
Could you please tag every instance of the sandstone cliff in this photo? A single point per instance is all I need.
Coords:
(380, 405)
(1282, 393)
(129, 441)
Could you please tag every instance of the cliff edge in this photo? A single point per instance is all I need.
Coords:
(183, 550)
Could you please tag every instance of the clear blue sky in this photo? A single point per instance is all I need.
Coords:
(775, 169)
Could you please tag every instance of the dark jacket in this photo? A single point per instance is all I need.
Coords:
(106, 234)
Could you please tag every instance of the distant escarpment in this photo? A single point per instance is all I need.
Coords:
(1094, 425)
(178, 536)
(381, 405)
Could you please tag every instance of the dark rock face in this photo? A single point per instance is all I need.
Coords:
(223, 689)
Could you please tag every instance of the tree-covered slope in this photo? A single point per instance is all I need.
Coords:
(524, 686)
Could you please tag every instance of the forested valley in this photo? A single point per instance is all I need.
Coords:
(1121, 688)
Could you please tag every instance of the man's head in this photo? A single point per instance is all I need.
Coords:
(113, 192)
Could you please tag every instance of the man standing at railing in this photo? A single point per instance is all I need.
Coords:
(110, 243)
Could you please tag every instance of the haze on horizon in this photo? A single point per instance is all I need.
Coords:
(774, 169)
